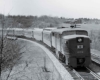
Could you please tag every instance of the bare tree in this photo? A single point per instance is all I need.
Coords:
(9, 51)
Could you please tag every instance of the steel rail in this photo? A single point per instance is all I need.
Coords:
(78, 75)
(94, 74)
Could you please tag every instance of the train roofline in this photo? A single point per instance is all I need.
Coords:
(60, 31)
(74, 36)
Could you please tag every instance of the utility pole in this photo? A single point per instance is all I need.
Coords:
(1, 46)
(2, 39)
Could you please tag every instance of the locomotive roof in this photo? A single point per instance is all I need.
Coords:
(60, 31)
(74, 36)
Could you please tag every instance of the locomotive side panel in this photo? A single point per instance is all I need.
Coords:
(65, 51)
(58, 42)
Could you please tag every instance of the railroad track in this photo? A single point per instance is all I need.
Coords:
(87, 74)
(82, 73)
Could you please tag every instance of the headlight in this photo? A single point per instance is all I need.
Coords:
(80, 40)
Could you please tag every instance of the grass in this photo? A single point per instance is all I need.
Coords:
(95, 37)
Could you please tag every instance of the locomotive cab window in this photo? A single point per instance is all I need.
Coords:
(69, 33)
(82, 32)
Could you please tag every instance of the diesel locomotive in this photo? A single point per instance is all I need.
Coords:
(71, 45)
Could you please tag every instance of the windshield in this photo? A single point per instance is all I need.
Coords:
(79, 32)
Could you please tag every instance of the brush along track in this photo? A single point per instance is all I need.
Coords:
(96, 58)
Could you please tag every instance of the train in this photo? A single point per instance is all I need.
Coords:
(71, 45)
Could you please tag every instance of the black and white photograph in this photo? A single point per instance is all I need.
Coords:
(49, 39)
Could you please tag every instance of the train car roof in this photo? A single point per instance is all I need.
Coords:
(38, 29)
(49, 29)
(74, 36)
(9, 29)
(60, 31)
(28, 29)
(18, 28)
(14, 28)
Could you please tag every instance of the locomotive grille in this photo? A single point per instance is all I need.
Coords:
(80, 52)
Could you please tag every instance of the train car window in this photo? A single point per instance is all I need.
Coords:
(52, 34)
(67, 42)
(72, 32)
(46, 36)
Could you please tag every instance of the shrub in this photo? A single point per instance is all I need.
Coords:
(95, 37)
(10, 53)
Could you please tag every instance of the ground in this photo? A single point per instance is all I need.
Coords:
(30, 66)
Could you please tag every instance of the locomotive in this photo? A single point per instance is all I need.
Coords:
(71, 45)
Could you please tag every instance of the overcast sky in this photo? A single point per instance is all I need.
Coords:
(64, 8)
